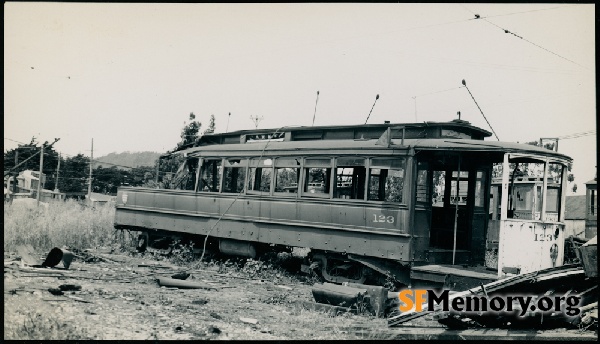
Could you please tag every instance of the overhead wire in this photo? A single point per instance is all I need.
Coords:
(540, 9)
(577, 135)
(571, 136)
(530, 42)
(69, 155)
(477, 16)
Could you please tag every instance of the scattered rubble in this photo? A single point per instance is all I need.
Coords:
(348, 299)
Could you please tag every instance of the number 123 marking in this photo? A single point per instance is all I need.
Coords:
(383, 218)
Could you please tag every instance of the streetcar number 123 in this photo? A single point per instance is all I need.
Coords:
(383, 218)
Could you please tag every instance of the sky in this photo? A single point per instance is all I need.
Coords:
(127, 76)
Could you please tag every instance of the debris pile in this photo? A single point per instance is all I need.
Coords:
(560, 297)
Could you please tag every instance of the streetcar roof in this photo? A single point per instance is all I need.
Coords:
(452, 129)
(271, 148)
(401, 138)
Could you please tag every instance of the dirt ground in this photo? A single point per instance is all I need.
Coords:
(120, 298)
(117, 296)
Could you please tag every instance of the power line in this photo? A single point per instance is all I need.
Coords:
(540, 9)
(572, 136)
(72, 156)
(509, 14)
(530, 42)
(577, 135)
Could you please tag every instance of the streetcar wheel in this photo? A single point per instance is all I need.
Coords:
(142, 242)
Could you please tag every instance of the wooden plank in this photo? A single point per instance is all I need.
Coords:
(182, 284)
(325, 307)
(452, 270)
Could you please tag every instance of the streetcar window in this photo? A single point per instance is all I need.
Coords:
(479, 189)
(210, 176)
(287, 174)
(190, 182)
(459, 196)
(317, 177)
(185, 177)
(286, 179)
(439, 188)
(350, 178)
(259, 177)
(386, 180)
(317, 181)
(593, 206)
(524, 197)
(553, 192)
(552, 200)
(234, 175)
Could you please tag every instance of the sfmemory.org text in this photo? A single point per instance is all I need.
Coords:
(415, 298)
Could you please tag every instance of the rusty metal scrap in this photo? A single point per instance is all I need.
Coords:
(182, 284)
(338, 295)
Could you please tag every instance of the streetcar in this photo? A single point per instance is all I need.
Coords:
(413, 203)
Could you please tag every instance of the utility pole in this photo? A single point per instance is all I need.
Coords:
(39, 188)
(89, 195)
(15, 175)
(57, 170)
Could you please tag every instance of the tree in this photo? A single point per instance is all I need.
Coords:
(142, 176)
(211, 126)
(74, 175)
(27, 157)
(189, 133)
(169, 166)
(107, 180)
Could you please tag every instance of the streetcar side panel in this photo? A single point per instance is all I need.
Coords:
(351, 227)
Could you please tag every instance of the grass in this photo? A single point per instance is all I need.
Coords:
(74, 225)
(42, 323)
(69, 223)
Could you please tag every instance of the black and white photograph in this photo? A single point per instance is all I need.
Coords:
(300, 171)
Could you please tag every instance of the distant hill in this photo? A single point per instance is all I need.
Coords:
(127, 159)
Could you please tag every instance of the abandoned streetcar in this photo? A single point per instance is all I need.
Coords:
(412, 202)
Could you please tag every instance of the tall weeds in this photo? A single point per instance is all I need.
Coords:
(69, 223)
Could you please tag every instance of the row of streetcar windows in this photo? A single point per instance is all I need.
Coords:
(373, 179)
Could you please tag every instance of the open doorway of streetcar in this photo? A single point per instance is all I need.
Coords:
(451, 205)
(491, 205)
